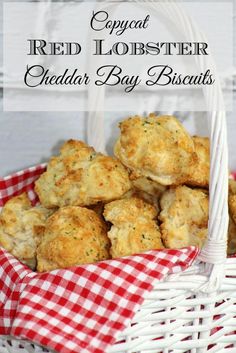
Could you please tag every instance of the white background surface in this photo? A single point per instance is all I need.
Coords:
(27, 138)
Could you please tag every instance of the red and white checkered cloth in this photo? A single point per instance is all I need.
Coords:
(81, 309)
(20, 182)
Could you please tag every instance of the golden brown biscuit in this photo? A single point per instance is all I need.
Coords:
(200, 172)
(232, 199)
(232, 218)
(80, 176)
(151, 199)
(184, 217)
(99, 209)
(146, 189)
(147, 185)
(156, 147)
(232, 187)
(73, 236)
(231, 249)
(21, 228)
(134, 229)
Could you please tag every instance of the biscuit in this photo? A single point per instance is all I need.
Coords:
(231, 249)
(151, 199)
(134, 229)
(147, 185)
(232, 199)
(158, 148)
(73, 236)
(232, 187)
(232, 218)
(99, 209)
(184, 217)
(81, 177)
(21, 228)
(199, 175)
(146, 189)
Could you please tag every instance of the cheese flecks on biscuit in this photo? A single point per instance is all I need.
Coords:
(21, 228)
(184, 217)
(73, 236)
(134, 228)
(156, 147)
(199, 175)
(81, 177)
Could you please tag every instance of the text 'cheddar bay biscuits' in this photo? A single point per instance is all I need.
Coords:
(73, 236)
(134, 228)
(156, 147)
(184, 217)
(22, 227)
(82, 177)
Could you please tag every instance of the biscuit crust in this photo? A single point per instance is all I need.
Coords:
(156, 147)
(21, 228)
(134, 229)
(148, 198)
(147, 185)
(73, 236)
(148, 190)
(81, 177)
(200, 173)
(231, 248)
(232, 218)
(184, 217)
(232, 199)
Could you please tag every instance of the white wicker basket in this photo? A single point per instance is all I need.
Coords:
(194, 311)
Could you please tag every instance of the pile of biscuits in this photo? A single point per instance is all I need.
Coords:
(153, 194)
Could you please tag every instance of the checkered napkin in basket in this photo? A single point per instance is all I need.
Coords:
(81, 309)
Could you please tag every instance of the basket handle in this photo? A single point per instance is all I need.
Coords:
(214, 251)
